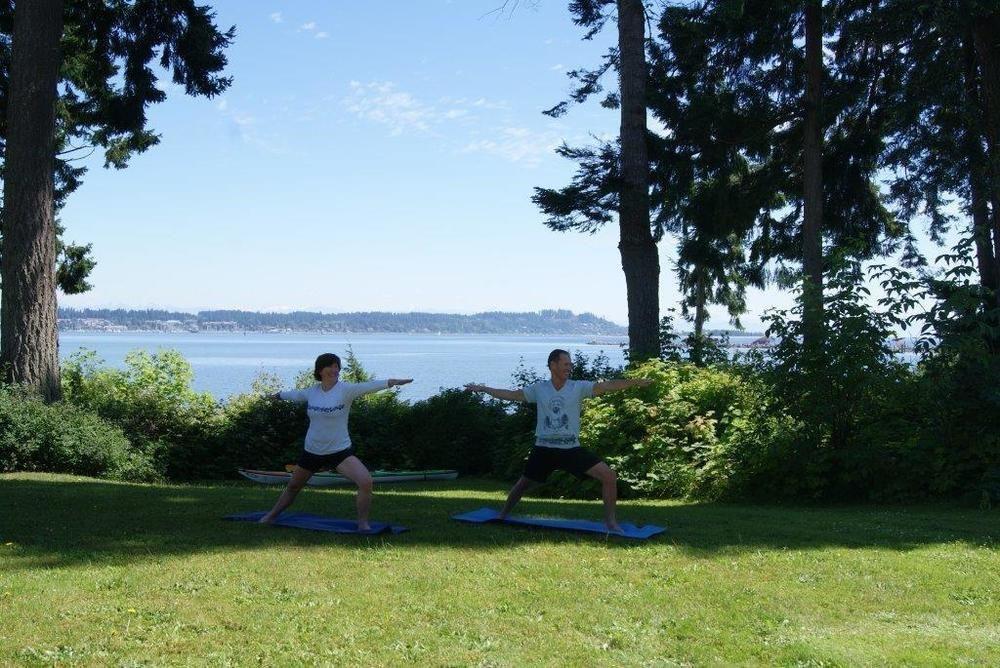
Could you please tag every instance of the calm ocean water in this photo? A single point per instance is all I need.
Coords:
(226, 363)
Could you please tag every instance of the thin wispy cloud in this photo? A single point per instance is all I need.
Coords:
(276, 17)
(308, 26)
(485, 103)
(322, 35)
(478, 103)
(383, 103)
(557, 68)
(519, 145)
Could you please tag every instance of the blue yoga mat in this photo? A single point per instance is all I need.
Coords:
(318, 523)
(483, 515)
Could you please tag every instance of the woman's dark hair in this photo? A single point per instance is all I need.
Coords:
(323, 361)
(556, 354)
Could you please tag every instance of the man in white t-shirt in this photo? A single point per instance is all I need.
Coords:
(328, 444)
(557, 431)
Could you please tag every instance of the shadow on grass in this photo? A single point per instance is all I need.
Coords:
(59, 521)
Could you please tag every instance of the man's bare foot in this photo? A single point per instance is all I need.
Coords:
(364, 527)
(613, 527)
(267, 519)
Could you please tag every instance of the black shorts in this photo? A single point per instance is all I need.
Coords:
(313, 462)
(543, 461)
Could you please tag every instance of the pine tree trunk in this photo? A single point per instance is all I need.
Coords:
(989, 270)
(28, 335)
(700, 312)
(986, 40)
(640, 258)
(996, 242)
(700, 315)
(812, 176)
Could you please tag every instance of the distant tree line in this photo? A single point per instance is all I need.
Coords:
(495, 322)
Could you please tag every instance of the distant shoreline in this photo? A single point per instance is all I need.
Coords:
(554, 322)
(599, 340)
(328, 332)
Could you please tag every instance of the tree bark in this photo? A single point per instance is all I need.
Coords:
(986, 259)
(986, 41)
(812, 178)
(996, 242)
(700, 312)
(640, 258)
(28, 334)
(700, 315)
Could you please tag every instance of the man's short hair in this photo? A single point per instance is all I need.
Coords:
(556, 354)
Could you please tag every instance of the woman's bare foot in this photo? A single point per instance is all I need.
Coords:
(614, 527)
(364, 527)
(267, 519)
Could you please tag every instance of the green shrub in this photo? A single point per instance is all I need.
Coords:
(61, 438)
(152, 401)
(683, 435)
(253, 431)
(454, 429)
(955, 405)
(848, 396)
(956, 417)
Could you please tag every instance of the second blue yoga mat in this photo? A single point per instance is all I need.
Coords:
(483, 515)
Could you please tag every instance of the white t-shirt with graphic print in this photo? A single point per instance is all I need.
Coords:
(328, 412)
(558, 423)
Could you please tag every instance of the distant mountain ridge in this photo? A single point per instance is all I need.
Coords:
(491, 322)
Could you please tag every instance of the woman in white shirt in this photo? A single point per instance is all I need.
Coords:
(328, 444)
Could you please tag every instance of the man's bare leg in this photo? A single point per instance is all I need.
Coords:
(516, 492)
(609, 492)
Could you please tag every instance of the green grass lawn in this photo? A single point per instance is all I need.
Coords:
(99, 573)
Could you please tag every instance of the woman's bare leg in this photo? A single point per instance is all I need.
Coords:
(299, 479)
(353, 468)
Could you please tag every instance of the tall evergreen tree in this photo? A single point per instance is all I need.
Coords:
(942, 143)
(28, 305)
(708, 186)
(741, 69)
(812, 177)
(93, 95)
(640, 257)
(624, 186)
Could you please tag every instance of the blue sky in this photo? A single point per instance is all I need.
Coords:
(369, 156)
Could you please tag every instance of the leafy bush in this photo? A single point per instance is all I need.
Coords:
(454, 429)
(62, 438)
(255, 431)
(954, 406)
(956, 418)
(846, 394)
(152, 401)
(682, 435)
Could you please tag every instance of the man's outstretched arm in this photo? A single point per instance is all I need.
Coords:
(620, 384)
